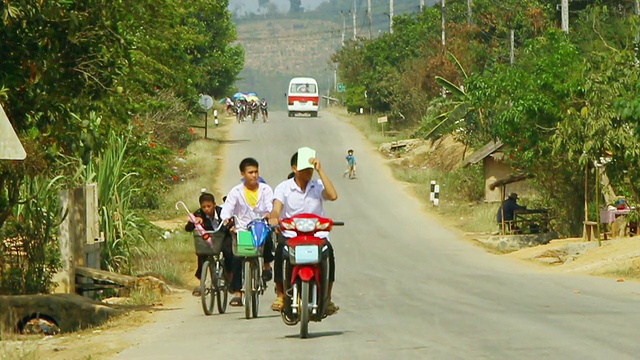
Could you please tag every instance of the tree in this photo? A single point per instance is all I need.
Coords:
(295, 7)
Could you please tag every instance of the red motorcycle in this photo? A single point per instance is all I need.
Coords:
(306, 275)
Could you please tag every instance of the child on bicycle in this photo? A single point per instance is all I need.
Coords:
(249, 199)
(209, 216)
(351, 165)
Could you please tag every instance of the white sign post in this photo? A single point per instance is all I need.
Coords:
(206, 103)
(10, 145)
(381, 121)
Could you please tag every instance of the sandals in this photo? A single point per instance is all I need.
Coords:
(332, 308)
(236, 301)
(278, 304)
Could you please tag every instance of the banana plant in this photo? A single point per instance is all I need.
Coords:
(458, 102)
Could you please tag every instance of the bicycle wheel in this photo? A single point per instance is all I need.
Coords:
(255, 295)
(221, 287)
(304, 309)
(248, 293)
(206, 288)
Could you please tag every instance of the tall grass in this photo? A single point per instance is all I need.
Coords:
(29, 251)
(124, 228)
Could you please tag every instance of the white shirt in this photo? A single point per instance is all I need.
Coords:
(236, 204)
(295, 201)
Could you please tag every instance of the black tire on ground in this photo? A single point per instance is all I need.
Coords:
(206, 288)
(221, 288)
(314, 114)
(304, 309)
(247, 289)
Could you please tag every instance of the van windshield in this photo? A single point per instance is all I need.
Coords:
(303, 89)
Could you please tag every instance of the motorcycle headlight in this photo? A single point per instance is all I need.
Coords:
(306, 224)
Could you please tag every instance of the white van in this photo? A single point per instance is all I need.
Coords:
(302, 96)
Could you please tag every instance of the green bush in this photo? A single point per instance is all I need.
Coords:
(29, 250)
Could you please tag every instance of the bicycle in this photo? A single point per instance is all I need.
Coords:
(244, 245)
(213, 281)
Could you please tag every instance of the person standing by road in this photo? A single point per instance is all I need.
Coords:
(351, 165)
(302, 194)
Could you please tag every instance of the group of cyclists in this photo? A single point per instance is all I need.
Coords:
(300, 193)
(242, 109)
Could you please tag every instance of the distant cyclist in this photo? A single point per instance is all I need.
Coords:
(264, 109)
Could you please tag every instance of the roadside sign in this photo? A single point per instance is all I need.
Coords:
(382, 120)
(206, 102)
(10, 145)
(341, 87)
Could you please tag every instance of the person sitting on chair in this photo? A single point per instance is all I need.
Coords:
(507, 208)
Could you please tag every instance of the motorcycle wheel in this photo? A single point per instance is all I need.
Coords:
(304, 309)
(248, 293)
(221, 288)
(206, 288)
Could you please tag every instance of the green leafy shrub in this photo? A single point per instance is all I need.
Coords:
(29, 250)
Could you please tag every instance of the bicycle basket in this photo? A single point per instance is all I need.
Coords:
(203, 248)
(243, 245)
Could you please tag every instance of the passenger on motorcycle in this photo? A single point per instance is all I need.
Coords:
(248, 200)
(302, 194)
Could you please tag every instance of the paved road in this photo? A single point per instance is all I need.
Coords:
(407, 287)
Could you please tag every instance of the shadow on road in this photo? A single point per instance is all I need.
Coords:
(234, 141)
(260, 317)
(313, 335)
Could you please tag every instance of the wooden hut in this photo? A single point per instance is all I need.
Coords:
(496, 169)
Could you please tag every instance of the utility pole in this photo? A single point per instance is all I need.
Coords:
(511, 57)
(637, 14)
(565, 16)
(391, 16)
(355, 16)
(469, 19)
(344, 27)
(421, 5)
(443, 37)
(370, 16)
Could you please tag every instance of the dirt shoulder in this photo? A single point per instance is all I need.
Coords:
(618, 258)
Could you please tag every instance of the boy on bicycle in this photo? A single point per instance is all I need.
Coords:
(209, 216)
(249, 200)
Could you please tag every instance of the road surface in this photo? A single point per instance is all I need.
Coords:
(407, 286)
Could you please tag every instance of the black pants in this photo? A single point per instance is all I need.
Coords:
(279, 261)
(232, 265)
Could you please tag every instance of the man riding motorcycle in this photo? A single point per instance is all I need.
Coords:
(301, 194)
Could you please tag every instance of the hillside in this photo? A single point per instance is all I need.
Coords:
(276, 50)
